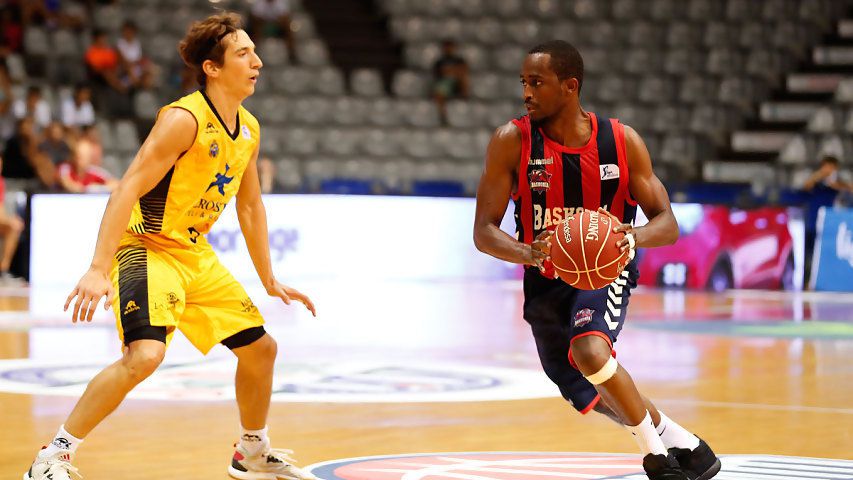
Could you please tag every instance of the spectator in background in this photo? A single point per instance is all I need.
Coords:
(54, 146)
(266, 175)
(450, 73)
(11, 28)
(103, 62)
(11, 227)
(7, 117)
(77, 111)
(23, 160)
(80, 175)
(138, 67)
(271, 18)
(826, 178)
(35, 107)
(90, 134)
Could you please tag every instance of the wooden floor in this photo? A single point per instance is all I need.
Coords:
(750, 373)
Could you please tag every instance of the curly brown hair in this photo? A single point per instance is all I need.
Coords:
(203, 41)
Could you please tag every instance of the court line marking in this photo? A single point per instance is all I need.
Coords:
(755, 406)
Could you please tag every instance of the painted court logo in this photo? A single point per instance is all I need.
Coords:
(540, 466)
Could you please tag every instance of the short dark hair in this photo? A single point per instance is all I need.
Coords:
(203, 41)
(829, 158)
(566, 60)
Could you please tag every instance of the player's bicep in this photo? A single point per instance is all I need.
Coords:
(645, 187)
(496, 182)
(173, 134)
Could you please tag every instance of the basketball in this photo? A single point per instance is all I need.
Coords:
(584, 251)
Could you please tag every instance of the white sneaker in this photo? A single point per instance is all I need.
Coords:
(273, 464)
(54, 467)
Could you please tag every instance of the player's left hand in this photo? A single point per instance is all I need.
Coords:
(286, 294)
(629, 241)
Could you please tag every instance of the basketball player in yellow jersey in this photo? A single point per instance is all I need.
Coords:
(156, 269)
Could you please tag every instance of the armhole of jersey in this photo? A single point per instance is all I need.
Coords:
(197, 123)
(523, 124)
(622, 158)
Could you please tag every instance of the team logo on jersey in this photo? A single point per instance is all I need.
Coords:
(130, 307)
(583, 317)
(609, 171)
(214, 149)
(210, 128)
(540, 180)
(246, 133)
(248, 305)
(221, 180)
(194, 233)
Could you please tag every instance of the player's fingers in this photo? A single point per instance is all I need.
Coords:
(609, 214)
(70, 297)
(76, 308)
(109, 301)
(92, 307)
(85, 309)
(622, 228)
(283, 296)
(308, 303)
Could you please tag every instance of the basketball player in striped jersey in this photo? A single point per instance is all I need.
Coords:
(555, 161)
(159, 273)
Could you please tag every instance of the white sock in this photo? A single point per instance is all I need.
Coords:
(647, 437)
(674, 435)
(254, 441)
(63, 441)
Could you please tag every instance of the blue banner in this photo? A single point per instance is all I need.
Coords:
(833, 256)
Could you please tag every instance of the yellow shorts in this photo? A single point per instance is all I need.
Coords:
(187, 289)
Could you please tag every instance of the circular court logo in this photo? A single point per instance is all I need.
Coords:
(354, 381)
(542, 466)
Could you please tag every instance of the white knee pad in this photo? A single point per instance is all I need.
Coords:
(605, 374)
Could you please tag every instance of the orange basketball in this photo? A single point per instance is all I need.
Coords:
(584, 252)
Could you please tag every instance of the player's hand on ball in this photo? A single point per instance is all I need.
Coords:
(286, 294)
(540, 250)
(628, 242)
(92, 286)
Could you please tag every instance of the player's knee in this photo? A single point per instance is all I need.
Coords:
(269, 348)
(590, 353)
(142, 361)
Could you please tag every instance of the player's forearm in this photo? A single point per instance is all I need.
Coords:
(113, 225)
(492, 240)
(661, 230)
(253, 223)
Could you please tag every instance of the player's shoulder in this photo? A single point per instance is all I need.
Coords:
(509, 131)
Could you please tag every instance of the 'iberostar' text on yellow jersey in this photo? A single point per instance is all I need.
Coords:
(180, 210)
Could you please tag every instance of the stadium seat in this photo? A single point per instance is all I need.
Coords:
(366, 82)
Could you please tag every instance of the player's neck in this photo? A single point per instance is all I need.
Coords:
(571, 128)
(226, 105)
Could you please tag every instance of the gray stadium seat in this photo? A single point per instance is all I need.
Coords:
(460, 114)
(378, 142)
(704, 10)
(488, 31)
(719, 34)
(508, 58)
(340, 142)
(146, 104)
(329, 81)
(670, 118)
(683, 35)
(410, 29)
(486, 86)
(273, 52)
(421, 55)
(476, 57)
(270, 143)
(825, 120)
(66, 44)
(274, 109)
(409, 84)
(366, 82)
(742, 10)
(646, 35)
(642, 61)
(127, 140)
(419, 144)
(301, 141)
(313, 53)
(724, 61)
(753, 34)
(666, 10)
(288, 172)
(508, 8)
(418, 113)
(36, 42)
(546, 9)
(350, 111)
(588, 9)
(384, 112)
(654, 89)
(626, 10)
(696, 89)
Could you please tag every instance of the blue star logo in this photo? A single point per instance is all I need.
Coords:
(221, 180)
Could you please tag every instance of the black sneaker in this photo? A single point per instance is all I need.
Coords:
(660, 467)
(700, 463)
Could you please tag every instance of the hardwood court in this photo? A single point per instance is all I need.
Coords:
(734, 368)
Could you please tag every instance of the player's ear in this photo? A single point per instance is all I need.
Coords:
(211, 69)
(570, 85)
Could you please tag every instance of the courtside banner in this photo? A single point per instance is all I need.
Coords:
(833, 255)
(311, 237)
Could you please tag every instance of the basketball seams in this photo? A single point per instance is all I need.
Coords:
(569, 257)
(583, 249)
(601, 248)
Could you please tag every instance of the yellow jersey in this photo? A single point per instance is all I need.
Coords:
(180, 210)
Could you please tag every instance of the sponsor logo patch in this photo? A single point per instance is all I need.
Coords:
(609, 171)
(246, 133)
(214, 149)
(130, 307)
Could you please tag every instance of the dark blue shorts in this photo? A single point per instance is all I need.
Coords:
(558, 313)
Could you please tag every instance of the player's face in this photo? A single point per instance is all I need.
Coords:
(241, 66)
(542, 91)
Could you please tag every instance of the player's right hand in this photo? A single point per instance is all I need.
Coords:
(540, 250)
(92, 286)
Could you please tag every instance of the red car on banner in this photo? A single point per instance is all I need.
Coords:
(721, 248)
